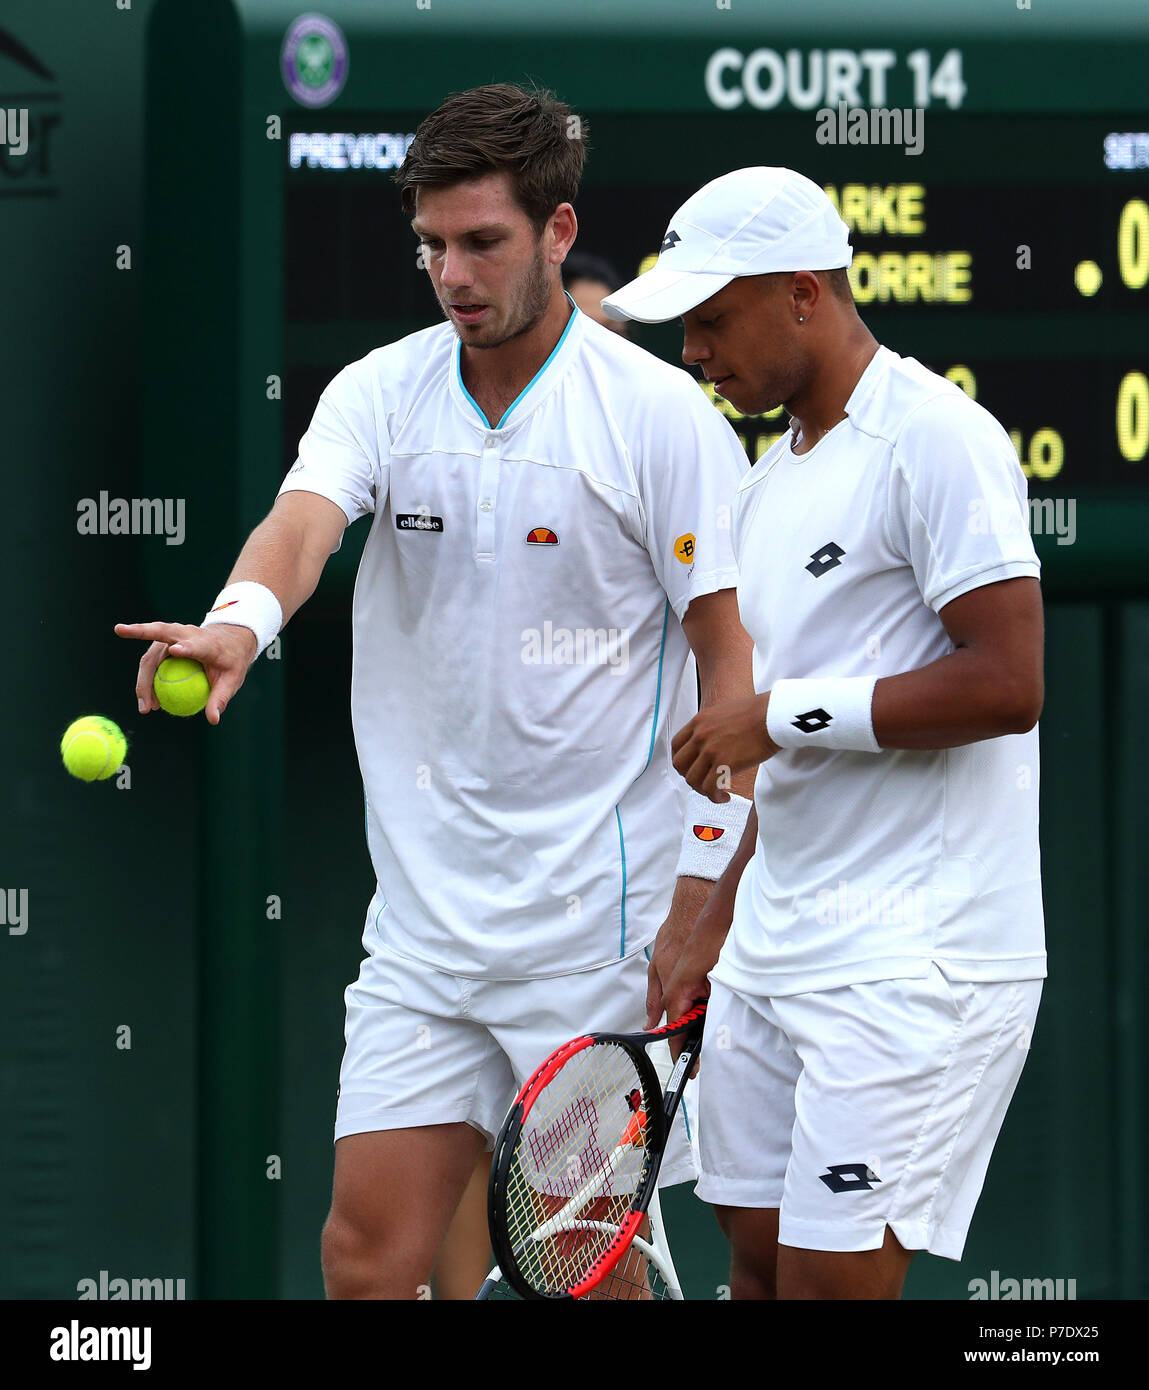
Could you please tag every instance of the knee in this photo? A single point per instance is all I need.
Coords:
(348, 1256)
(752, 1277)
(850, 1274)
(365, 1262)
(753, 1237)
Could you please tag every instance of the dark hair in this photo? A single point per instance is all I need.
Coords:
(837, 281)
(530, 133)
(839, 284)
(581, 265)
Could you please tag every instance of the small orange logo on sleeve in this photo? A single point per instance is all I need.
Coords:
(684, 548)
(709, 832)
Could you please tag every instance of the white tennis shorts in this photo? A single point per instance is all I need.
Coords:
(856, 1108)
(428, 1048)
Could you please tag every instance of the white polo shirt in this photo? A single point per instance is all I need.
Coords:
(519, 659)
(873, 866)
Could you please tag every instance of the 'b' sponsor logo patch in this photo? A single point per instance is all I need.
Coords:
(684, 548)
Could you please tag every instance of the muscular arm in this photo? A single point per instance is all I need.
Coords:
(289, 548)
(724, 653)
(687, 980)
(990, 684)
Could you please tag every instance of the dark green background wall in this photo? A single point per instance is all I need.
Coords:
(137, 896)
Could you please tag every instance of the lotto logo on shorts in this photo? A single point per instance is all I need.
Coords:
(848, 1177)
(684, 549)
(709, 832)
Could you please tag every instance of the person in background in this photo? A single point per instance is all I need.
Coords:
(588, 280)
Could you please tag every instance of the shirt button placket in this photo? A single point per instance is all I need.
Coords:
(488, 496)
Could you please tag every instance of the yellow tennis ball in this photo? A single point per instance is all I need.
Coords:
(181, 686)
(93, 748)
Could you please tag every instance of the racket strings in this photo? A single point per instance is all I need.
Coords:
(574, 1171)
(635, 1278)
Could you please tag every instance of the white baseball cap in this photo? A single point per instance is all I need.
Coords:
(749, 222)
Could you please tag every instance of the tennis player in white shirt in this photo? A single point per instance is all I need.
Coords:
(874, 953)
(549, 553)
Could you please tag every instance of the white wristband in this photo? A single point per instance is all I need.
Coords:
(823, 712)
(712, 834)
(248, 604)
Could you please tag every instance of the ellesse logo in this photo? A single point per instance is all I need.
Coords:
(418, 521)
(542, 535)
(709, 832)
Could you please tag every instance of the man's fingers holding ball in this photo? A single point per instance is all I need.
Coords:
(181, 685)
(187, 669)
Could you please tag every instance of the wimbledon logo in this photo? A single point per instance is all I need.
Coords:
(314, 60)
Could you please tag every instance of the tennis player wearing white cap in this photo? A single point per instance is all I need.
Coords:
(874, 953)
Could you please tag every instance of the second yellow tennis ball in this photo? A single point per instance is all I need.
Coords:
(181, 686)
(93, 748)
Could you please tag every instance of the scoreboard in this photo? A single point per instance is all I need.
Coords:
(1006, 269)
(991, 158)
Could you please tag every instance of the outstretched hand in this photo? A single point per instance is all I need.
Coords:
(224, 650)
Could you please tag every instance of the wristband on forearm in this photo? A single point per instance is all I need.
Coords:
(823, 712)
(712, 835)
(248, 604)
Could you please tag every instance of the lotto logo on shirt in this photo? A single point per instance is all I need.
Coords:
(577, 646)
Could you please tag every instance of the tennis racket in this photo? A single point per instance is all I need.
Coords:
(575, 1168)
(652, 1274)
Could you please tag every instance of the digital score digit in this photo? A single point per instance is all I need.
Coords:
(1133, 244)
(1133, 416)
